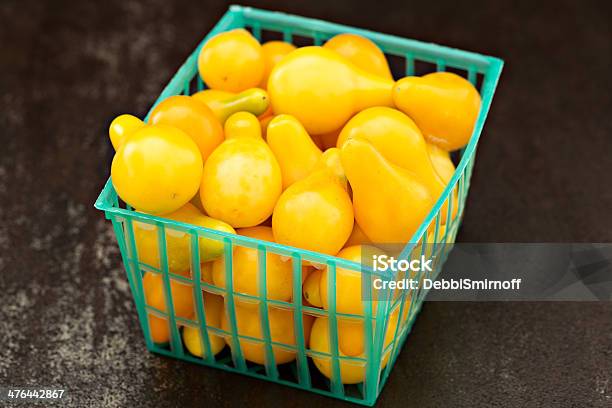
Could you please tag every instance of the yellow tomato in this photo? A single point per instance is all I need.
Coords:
(295, 151)
(121, 127)
(306, 271)
(159, 329)
(362, 52)
(213, 307)
(241, 182)
(182, 295)
(273, 52)
(323, 90)
(311, 288)
(349, 298)
(182, 299)
(282, 331)
(206, 272)
(245, 262)
(157, 169)
(231, 61)
(242, 124)
(178, 243)
(192, 117)
(315, 213)
(443, 105)
(441, 161)
(389, 202)
(351, 343)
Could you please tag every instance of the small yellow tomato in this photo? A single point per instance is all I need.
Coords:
(192, 117)
(182, 300)
(361, 52)
(242, 124)
(206, 272)
(157, 169)
(311, 288)
(315, 213)
(441, 161)
(282, 332)
(121, 127)
(349, 298)
(178, 243)
(351, 343)
(231, 61)
(273, 52)
(213, 307)
(182, 295)
(245, 263)
(241, 182)
(443, 105)
(159, 329)
(323, 90)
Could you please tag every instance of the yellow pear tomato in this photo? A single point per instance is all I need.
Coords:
(349, 298)
(182, 300)
(213, 307)
(443, 105)
(157, 169)
(323, 90)
(273, 52)
(192, 117)
(241, 182)
(178, 243)
(121, 127)
(362, 52)
(245, 263)
(282, 331)
(351, 343)
(231, 61)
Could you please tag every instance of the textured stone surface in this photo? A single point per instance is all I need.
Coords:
(542, 174)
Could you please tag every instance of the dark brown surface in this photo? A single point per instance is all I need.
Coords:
(542, 174)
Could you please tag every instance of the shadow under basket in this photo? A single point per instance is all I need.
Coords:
(383, 335)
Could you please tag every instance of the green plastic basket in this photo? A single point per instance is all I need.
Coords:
(301, 373)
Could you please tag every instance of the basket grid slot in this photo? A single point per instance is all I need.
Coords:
(268, 35)
(423, 67)
(302, 41)
(462, 72)
(397, 65)
(479, 84)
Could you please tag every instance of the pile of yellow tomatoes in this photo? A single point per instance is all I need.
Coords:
(317, 148)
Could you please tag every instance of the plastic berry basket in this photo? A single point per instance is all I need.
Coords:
(379, 354)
